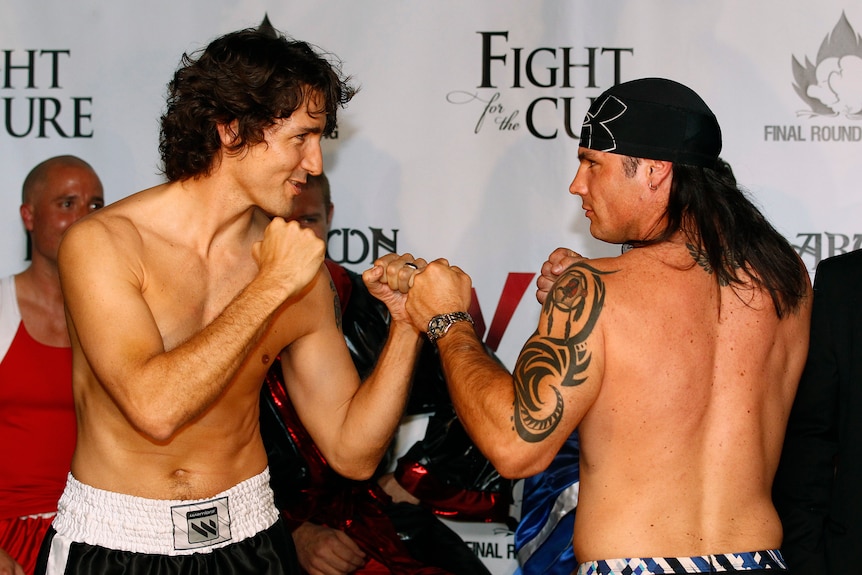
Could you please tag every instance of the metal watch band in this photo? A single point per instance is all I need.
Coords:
(440, 324)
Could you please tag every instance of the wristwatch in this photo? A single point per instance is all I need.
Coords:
(440, 324)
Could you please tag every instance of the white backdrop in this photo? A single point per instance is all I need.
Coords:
(457, 143)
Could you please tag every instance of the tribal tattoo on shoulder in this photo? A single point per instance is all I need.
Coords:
(558, 353)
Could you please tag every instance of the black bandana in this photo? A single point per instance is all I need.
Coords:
(656, 119)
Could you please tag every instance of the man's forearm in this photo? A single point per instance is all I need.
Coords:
(175, 386)
(379, 403)
(481, 391)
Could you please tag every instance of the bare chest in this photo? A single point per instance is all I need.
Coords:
(186, 293)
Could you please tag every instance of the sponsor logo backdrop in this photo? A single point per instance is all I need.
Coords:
(462, 141)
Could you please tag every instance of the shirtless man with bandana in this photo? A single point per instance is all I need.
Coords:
(677, 361)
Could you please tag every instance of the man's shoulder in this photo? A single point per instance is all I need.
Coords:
(604, 270)
(129, 215)
(601, 265)
(10, 314)
(105, 226)
(105, 235)
(587, 282)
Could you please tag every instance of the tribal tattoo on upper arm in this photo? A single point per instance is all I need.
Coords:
(336, 302)
(558, 354)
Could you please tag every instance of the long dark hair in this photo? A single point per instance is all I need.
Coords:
(730, 237)
(252, 77)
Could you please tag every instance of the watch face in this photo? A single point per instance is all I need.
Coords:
(436, 326)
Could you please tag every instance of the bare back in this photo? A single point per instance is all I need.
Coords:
(152, 294)
(681, 444)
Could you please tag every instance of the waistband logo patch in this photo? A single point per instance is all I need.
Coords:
(201, 524)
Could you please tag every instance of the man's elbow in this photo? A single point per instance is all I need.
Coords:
(357, 471)
(160, 432)
(157, 425)
(153, 431)
(514, 464)
(514, 471)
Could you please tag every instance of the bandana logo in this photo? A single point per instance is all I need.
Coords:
(610, 110)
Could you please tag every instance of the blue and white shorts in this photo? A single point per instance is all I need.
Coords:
(725, 563)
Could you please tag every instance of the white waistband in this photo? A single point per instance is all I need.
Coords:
(165, 527)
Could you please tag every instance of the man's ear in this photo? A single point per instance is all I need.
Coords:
(26, 211)
(227, 133)
(660, 168)
(658, 171)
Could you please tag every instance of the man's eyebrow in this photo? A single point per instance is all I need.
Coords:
(298, 128)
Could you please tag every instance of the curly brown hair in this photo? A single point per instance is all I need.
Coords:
(252, 77)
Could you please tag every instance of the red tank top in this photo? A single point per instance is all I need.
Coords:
(37, 425)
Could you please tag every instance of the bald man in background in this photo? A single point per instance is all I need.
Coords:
(37, 415)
